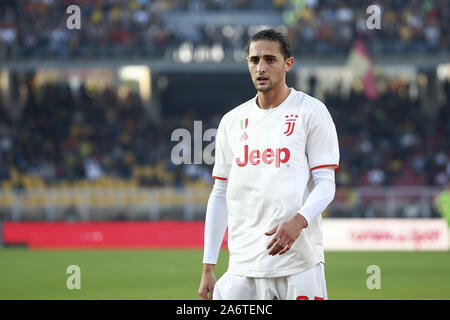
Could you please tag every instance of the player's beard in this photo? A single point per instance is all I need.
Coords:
(266, 87)
(263, 88)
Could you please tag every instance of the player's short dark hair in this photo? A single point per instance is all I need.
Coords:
(272, 35)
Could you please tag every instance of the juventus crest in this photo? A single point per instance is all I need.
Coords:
(290, 122)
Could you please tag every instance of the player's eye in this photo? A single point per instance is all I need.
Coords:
(254, 60)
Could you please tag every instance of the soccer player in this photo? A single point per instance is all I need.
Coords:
(276, 155)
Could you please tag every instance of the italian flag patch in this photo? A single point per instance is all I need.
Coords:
(244, 124)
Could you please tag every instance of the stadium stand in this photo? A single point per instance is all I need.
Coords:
(389, 141)
(67, 145)
(143, 28)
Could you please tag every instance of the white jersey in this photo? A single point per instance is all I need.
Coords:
(267, 156)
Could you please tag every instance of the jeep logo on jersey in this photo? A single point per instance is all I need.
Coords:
(268, 156)
(290, 122)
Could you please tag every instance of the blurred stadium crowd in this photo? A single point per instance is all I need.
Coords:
(391, 141)
(62, 136)
(117, 28)
(70, 136)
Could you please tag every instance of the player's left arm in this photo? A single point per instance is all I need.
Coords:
(322, 151)
(320, 197)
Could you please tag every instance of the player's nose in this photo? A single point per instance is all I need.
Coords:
(261, 67)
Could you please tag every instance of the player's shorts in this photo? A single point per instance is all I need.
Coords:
(306, 285)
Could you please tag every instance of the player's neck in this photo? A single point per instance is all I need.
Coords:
(273, 98)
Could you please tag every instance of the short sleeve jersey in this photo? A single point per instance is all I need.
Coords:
(267, 157)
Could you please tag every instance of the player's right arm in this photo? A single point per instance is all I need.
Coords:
(216, 220)
(215, 226)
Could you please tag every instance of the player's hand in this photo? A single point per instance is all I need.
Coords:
(206, 289)
(285, 234)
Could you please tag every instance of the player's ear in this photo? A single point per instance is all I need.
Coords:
(288, 64)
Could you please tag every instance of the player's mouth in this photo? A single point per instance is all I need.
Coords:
(262, 80)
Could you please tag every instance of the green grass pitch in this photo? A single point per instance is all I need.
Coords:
(175, 274)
